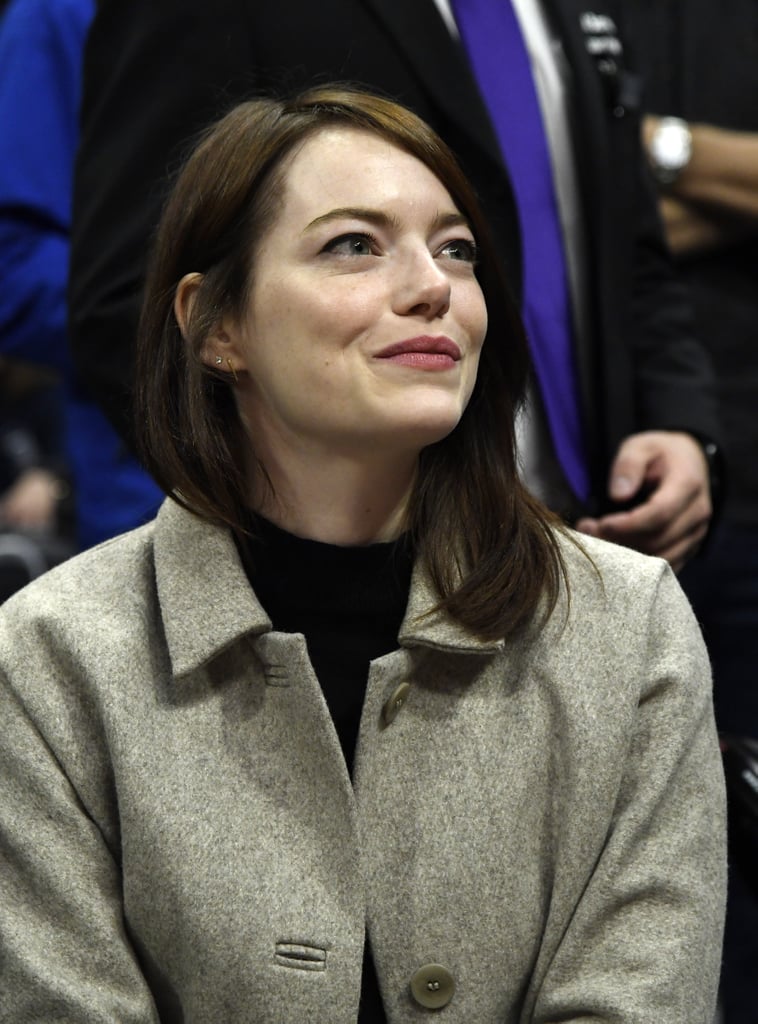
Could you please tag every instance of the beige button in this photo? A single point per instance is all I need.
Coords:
(396, 701)
(432, 986)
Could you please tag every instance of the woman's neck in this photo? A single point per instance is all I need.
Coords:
(340, 500)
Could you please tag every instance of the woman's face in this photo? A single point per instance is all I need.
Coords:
(365, 320)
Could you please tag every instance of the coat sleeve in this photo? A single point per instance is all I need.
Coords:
(154, 75)
(643, 940)
(672, 367)
(673, 375)
(64, 951)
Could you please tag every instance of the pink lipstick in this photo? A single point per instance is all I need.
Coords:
(423, 353)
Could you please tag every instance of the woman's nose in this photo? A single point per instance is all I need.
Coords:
(423, 288)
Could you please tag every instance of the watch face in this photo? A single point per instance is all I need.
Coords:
(671, 146)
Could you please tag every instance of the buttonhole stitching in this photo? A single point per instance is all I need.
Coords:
(299, 956)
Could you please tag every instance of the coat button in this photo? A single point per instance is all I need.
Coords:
(432, 986)
(396, 701)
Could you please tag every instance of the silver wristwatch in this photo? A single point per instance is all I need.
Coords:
(670, 149)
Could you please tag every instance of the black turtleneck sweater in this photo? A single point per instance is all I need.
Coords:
(349, 603)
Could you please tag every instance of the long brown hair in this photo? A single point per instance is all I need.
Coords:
(491, 548)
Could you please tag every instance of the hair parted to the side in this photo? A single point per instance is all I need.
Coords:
(490, 547)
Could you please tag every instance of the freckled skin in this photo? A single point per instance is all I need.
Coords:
(355, 263)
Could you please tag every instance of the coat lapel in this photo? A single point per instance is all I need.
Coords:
(440, 63)
(587, 100)
(600, 91)
(601, 86)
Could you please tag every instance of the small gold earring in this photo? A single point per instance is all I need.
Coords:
(219, 360)
(232, 371)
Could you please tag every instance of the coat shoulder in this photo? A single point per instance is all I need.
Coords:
(617, 600)
(91, 582)
(87, 617)
(609, 571)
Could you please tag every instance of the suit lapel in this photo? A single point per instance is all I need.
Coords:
(587, 102)
(440, 63)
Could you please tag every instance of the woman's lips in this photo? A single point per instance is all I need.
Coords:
(423, 353)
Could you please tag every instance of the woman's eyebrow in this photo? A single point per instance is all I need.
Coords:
(354, 213)
(442, 220)
(454, 219)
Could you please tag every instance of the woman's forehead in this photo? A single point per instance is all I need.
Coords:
(344, 166)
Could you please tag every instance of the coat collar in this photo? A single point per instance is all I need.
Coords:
(207, 604)
(424, 627)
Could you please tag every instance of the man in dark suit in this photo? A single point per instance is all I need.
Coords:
(158, 70)
(701, 79)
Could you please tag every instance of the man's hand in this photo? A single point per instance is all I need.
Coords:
(671, 521)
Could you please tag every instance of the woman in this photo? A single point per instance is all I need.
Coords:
(353, 688)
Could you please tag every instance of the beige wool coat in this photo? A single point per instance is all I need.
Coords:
(180, 840)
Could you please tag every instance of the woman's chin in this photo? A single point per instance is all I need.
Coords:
(419, 431)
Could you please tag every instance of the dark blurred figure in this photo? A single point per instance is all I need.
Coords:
(701, 67)
(36, 520)
(41, 44)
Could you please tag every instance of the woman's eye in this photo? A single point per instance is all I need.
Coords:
(460, 249)
(353, 244)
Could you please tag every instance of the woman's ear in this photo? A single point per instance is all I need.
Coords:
(213, 351)
(184, 300)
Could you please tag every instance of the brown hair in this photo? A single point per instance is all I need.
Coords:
(489, 545)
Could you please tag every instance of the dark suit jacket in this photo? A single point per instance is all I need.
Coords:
(705, 69)
(157, 70)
